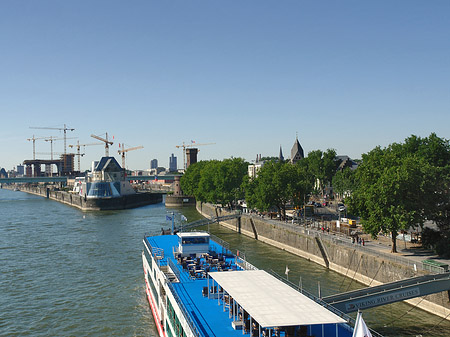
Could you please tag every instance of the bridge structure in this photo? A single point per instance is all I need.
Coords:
(21, 180)
(390, 292)
(206, 221)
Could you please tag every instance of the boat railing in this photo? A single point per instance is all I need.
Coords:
(174, 268)
(244, 264)
(318, 300)
(186, 314)
(158, 253)
(225, 245)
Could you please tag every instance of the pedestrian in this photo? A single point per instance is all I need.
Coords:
(363, 241)
(353, 240)
(323, 229)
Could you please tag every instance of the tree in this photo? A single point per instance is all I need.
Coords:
(191, 178)
(276, 185)
(321, 167)
(344, 182)
(392, 186)
(215, 181)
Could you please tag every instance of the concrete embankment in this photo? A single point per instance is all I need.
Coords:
(128, 201)
(357, 262)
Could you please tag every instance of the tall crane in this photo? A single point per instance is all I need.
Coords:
(192, 144)
(106, 141)
(123, 151)
(51, 139)
(65, 129)
(78, 146)
(34, 139)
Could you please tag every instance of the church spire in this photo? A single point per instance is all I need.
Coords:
(280, 156)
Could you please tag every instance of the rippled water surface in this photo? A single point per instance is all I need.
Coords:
(70, 273)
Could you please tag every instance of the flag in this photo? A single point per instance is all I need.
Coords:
(183, 217)
(361, 329)
(287, 270)
(168, 218)
(193, 141)
(237, 253)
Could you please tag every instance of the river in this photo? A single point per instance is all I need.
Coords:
(65, 272)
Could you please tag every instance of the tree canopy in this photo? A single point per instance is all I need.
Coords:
(215, 181)
(276, 185)
(396, 187)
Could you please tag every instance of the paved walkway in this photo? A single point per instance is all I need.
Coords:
(383, 245)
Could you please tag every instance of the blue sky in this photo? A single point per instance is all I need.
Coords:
(245, 75)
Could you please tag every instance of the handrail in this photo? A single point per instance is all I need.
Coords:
(320, 301)
(174, 268)
(184, 310)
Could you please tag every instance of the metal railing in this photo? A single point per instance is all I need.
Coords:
(314, 230)
(186, 314)
(318, 300)
(174, 268)
(386, 256)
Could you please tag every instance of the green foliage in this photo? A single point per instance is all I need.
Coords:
(276, 185)
(438, 241)
(321, 167)
(344, 182)
(215, 181)
(396, 186)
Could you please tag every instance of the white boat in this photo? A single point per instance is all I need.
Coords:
(196, 287)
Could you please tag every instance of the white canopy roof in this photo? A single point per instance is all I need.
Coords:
(271, 302)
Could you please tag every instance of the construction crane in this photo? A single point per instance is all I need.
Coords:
(78, 146)
(123, 151)
(192, 144)
(34, 139)
(106, 141)
(51, 139)
(65, 129)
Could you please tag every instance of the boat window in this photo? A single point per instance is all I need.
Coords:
(194, 241)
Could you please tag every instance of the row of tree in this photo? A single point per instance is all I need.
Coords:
(392, 189)
(402, 186)
(276, 185)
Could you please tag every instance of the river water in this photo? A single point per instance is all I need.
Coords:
(65, 272)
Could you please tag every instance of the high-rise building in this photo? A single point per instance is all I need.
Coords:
(154, 163)
(191, 156)
(20, 170)
(173, 163)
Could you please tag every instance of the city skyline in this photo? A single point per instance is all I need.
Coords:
(246, 76)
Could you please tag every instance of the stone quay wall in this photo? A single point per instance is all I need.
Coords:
(128, 201)
(359, 263)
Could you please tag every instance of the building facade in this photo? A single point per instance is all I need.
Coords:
(173, 163)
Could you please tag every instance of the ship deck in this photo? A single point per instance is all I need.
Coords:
(211, 313)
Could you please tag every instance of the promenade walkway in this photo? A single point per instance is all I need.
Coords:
(407, 253)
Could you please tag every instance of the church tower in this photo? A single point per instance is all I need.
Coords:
(296, 152)
(280, 156)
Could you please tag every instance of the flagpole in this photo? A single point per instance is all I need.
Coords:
(173, 223)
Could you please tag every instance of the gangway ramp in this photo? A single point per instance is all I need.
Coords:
(389, 293)
(207, 221)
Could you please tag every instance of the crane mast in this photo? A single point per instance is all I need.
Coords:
(78, 154)
(106, 141)
(65, 129)
(123, 151)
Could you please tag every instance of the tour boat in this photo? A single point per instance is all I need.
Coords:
(197, 287)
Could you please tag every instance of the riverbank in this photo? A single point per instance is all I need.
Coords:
(371, 264)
